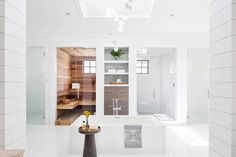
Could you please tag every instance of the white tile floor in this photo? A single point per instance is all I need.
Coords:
(182, 141)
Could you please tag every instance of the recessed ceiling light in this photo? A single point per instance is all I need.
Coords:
(114, 42)
(67, 14)
(172, 15)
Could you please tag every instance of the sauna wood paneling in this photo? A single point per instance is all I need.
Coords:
(64, 79)
(87, 81)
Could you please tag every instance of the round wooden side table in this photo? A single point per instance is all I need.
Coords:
(89, 141)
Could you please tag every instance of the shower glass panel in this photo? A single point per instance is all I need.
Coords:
(35, 85)
(156, 81)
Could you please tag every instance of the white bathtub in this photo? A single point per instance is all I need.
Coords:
(111, 138)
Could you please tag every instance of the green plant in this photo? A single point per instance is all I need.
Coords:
(117, 53)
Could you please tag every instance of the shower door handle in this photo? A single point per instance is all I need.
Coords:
(117, 103)
(113, 103)
(154, 94)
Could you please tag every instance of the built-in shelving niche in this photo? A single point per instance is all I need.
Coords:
(116, 82)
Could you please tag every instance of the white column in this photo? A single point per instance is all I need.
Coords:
(132, 81)
(12, 74)
(181, 84)
(223, 78)
(100, 80)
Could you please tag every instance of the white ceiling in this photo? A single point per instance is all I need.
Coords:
(49, 16)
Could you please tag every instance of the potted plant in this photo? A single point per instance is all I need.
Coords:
(117, 53)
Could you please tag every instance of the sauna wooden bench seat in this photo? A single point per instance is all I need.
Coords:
(72, 113)
(11, 153)
(69, 106)
(73, 105)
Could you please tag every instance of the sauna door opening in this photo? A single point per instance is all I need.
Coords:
(76, 83)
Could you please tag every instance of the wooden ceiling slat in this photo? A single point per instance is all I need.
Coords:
(90, 52)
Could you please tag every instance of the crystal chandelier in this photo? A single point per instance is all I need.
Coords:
(120, 18)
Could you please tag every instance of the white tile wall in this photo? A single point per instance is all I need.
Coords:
(223, 105)
(12, 74)
(18, 5)
(223, 78)
(222, 148)
(2, 137)
(13, 59)
(2, 57)
(2, 41)
(223, 60)
(222, 134)
(223, 119)
(221, 46)
(2, 8)
(15, 104)
(15, 15)
(16, 132)
(213, 153)
(221, 32)
(2, 106)
(229, 75)
(221, 18)
(14, 30)
(219, 5)
(226, 90)
(2, 24)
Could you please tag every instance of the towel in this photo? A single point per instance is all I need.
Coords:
(133, 136)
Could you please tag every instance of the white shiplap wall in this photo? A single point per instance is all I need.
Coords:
(223, 78)
(12, 74)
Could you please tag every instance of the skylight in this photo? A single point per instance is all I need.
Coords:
(102, 8)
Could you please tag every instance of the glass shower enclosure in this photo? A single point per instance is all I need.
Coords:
(156, 81)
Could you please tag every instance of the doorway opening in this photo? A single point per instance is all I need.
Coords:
(198, 86)
(76, 83)
(36, 85)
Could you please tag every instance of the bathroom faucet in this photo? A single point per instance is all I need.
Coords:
(115, 107)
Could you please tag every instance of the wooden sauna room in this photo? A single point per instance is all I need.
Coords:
(76, 83)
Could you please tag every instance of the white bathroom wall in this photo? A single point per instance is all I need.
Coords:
(12, 74)
(181, 84)
(167, 84)
(222, 78)
(198, 85)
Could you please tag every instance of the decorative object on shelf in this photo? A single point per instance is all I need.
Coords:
(66, 101)
(121, 71)
(87, 114)
(111, 70)
(117, 53)
(118, 81)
